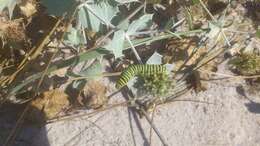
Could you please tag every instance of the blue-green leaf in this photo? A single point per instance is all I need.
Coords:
(116, 46)
(142, 23)
(92, 71)
(59, 7)
(91, 15)
(156, 58)
(74, 38)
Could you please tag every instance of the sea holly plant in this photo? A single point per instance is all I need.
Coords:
(92, 16)
(156, 84)
(75, 37)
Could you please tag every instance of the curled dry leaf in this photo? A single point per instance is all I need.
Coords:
(94, 95)
(12, 31)
(28, 8)
(48, 105)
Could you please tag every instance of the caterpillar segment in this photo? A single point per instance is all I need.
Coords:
(134, 70)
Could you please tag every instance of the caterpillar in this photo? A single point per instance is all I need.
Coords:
(134, 70)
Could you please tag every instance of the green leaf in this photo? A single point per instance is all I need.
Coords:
(91, 15)
(59, 7)
(74, 37)
(18, 88)
(143, 22)
(116, 46)
(10, 4)
(92, 71)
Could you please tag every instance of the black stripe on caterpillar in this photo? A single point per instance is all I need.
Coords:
(134, 70)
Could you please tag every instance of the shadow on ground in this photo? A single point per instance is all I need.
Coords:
(29, 132)
(253, 107)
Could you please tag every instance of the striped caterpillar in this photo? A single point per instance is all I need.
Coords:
(134, 70)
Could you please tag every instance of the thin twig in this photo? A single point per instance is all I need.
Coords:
(229, 75)
(34, 52)
(153, 126)
(133, 49)
(150, 131)
(65, 118)
(87, 127)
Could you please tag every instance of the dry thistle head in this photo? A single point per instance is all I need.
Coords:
(156, 84)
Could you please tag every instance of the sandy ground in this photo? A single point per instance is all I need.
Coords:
(232, 119)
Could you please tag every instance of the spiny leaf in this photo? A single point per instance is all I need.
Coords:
(117, 44)
(91, 15)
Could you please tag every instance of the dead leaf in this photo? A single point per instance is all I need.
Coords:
(12, 30)
(48, 105)
(94, 95)
(28, 8)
